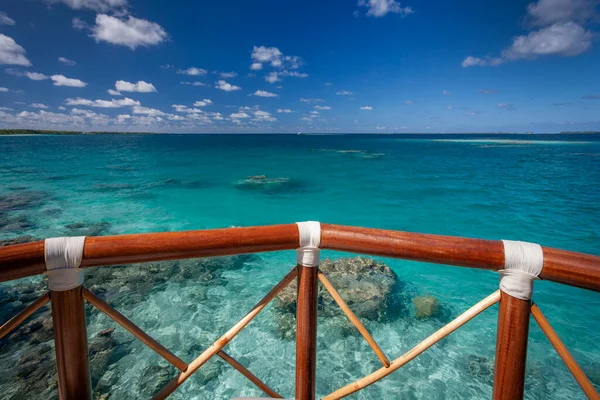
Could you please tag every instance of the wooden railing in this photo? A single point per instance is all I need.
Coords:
(570, 268)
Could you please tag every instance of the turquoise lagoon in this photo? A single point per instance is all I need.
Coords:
(540, 188)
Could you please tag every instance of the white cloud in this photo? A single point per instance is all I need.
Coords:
(295, 74)
(132, 32)
(274, 57)
(6, 109)
(366, 108)
(228, 74)
(139, 87)
(125, 102)
(344, 93)
(61, 80)
(95, 5)
(146, 111)
(79, 24)
(548, 12)
(506, 106)
(471, 61)
(284, 110)
(564, 39)
(3, 89)
(203, 103)
(264, 54)
(39, 105)
(61, 108)
(11, 52)
(193, 71)
(446, 93)
(114, 92)
(322, 107)
(487, 91)
(66, 61)
(194, 83)
(449, 108)
(272, 77)
(226, 86)
(6, 20)
(263, 116)
(239, 115)
(379, 8)
(264, 93)
(313, 100)
(409, 102)
(36, 76)
(185, 109)
(472, 113)
(314, 112)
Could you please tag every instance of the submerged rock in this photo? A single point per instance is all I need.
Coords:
(18, 240)
(21, 200)
(366, 285)
(154, 378)
(92, 229)
(426, 307)
(481, 368)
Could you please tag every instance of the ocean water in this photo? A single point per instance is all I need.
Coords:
(542, 188)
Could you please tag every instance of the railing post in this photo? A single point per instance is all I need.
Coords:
(70, 338)
(511, 347)
(306, 309)
(65, 280)
(523, 263)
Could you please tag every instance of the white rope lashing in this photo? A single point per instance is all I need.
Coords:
(523, 263)
(308, 254)
(63, 257)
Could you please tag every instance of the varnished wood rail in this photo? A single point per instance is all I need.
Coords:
(575, 269)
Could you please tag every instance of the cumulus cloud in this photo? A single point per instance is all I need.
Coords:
(366, 108)
(114, 92)
(272, 77)
(203, 103)
(322, 108)
(66, 61)
(564, 39)
(264, 93)
(139, 87)
(61, 80)
(380, 8)
(193, 71)
(125, 102)
(6, 20)
(95, 5)
(274, 57)
(11, 52)
(239, 115)
(263, 116)
(284, 110)
(548, 12)
(131, 32)
(146, 111)
(561, 34)
(39, 105)
(227, 87)
(228, 74)
(35, 76)
(344, 93)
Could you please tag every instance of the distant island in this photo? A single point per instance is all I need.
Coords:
(7, 132)
(50, 132)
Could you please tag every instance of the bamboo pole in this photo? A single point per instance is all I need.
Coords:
(418, 349)
(134, 330)
(354, 319)
(12, 323)
(251, 377)
(306, 332)
(564, 354)
(70, 338)
(511, 348)
(225, 339)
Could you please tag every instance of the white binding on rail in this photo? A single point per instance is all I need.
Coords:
(309, 254)
(63, 257)
(523, 263)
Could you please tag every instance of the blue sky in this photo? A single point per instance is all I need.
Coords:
(379, 66)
